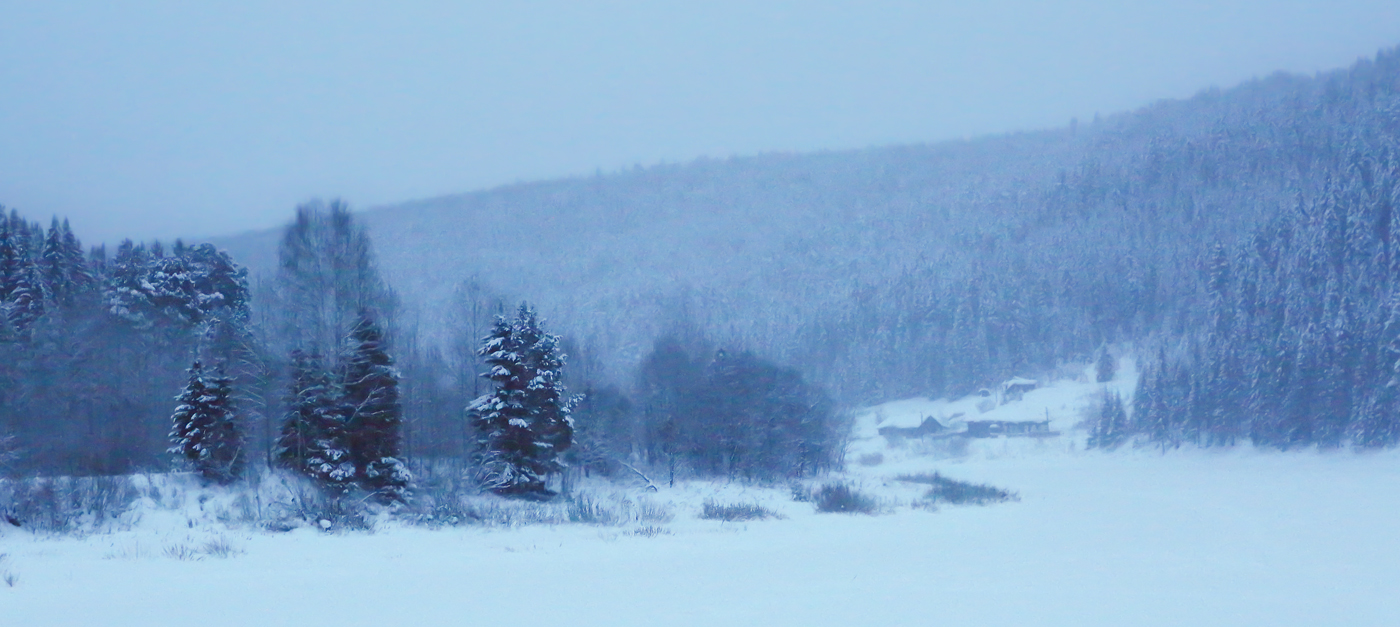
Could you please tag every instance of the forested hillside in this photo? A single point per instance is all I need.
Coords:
(716, 314)
(896, 271)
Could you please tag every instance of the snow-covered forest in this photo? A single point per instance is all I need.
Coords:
(931, 270)
(1240, 241)
(1218, 273)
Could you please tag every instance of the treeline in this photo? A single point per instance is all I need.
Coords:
(112, 365)
(1299, 341)
(1242, 239)
(94, 346)
(1295, 335)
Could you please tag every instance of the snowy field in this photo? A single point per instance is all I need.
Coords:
(1133, 537)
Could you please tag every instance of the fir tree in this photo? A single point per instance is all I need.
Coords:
(524, 425)
(206, 433)
(375, 416)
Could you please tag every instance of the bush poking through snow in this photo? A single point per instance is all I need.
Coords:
(583, 508)
(586, 508)
(221, 547)
(841, 498)
(66, 504)
(448, 513)
(735, 512)
(182, 552)
(652, 512)
(651, 531)
(10, 579)
(440, 496)
(312, 505)
(954, 492)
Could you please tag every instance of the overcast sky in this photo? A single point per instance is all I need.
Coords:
(173, 119)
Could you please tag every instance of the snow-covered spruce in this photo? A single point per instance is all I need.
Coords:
(373, 414)
(313, 441)
(524, 424)
(205, 431)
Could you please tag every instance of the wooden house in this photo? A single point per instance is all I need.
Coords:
(930, 426)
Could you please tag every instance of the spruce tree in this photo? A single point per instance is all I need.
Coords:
(375, 416)
(205, 431)
(1111, 426)
(313, 441)
(53, 265)
(76, 265)
(27, 298)
(523, 426)
(11, 257)
(1105, 367)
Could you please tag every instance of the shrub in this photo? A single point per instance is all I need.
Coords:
(954, 492)
(735, 512)
(66, 504)
(440, 496)
(651, 531)
(843, 499)
(327, 511)
(649, 511)
(182, 552)
(583, 508)
(221, 547)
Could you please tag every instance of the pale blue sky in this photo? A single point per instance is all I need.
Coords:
(158, 119)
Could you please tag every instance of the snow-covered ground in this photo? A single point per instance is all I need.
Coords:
(1133, 537)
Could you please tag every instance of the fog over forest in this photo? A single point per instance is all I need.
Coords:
(1239, 242)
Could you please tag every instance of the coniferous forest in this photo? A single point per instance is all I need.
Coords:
(1242, 244)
